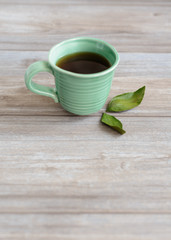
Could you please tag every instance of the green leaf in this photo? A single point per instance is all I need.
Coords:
(126, 101)
(112, 122)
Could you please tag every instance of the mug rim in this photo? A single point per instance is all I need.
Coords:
(111, 68)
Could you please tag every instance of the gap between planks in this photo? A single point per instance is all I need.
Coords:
(82, 116)
(87, 212)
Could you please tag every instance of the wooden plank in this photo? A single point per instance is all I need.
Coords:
(121, 23)
(122, 41)
(105, 226)
(86, 198)
(63, 128)
(134, 71)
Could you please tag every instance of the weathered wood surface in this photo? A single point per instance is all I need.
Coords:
(130, 75)
(131, 26)
(69, 177)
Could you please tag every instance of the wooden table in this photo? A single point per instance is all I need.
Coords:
(70, 177)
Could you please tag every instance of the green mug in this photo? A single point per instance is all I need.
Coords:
(81, 94)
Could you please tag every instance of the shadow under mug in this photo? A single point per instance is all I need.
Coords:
(81, 94)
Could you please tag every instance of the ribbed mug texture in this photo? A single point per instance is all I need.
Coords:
(83, 93)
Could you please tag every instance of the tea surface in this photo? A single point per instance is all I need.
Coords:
(84, 63)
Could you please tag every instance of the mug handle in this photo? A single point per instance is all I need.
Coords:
(33, 69)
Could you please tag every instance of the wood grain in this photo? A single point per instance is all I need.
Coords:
(131, 74)
(128, 25)
(70, 177)
(75, 226)
(85, 167)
